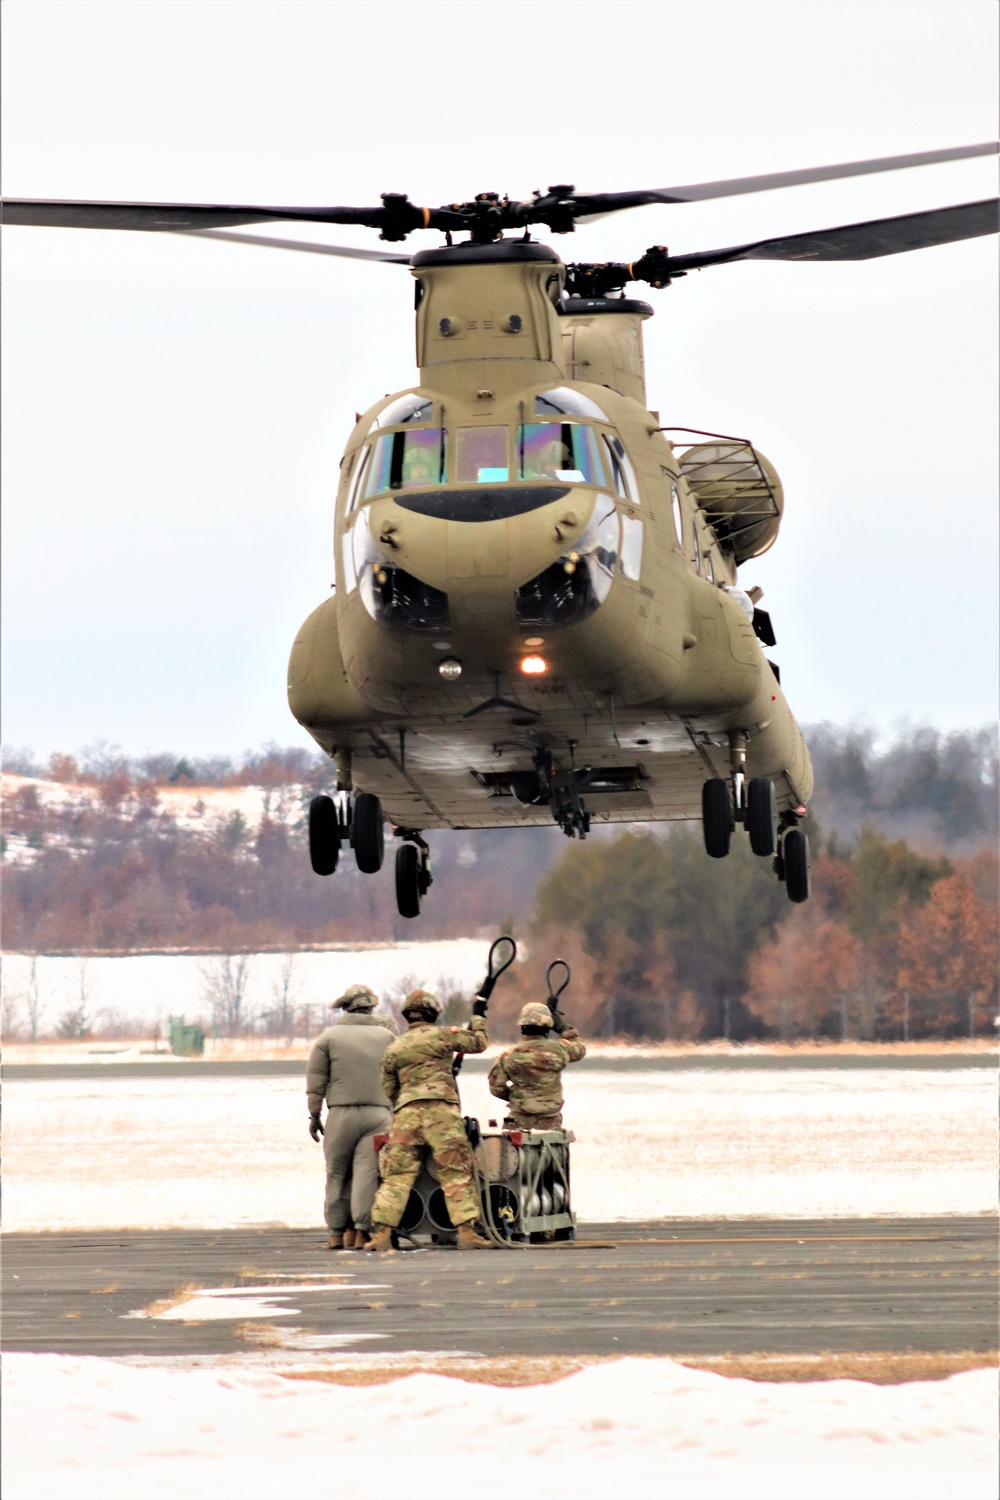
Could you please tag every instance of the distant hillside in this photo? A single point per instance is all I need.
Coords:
(103, 852)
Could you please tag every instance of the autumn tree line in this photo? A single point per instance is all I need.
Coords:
(898, 941)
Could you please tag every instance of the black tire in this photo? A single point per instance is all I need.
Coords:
(716, 817)
(369, 833)
(408, 880)
(324, 835)
(795, 852)
(760, 815)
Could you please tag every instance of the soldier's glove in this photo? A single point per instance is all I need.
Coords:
(559, 1023)
(479, 1006)
(315, 1128)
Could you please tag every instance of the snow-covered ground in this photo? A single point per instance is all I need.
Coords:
(212, 1152)
(147, 988)
(96, 1429)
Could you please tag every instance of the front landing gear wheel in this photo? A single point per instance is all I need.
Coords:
(324, 835)
(369, 833)
(408, 882)
(716, 817)
(795, 855)
(760, 815)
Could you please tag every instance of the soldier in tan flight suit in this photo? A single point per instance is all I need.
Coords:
(344, 1067)
(417, 1076)
(528, 1077)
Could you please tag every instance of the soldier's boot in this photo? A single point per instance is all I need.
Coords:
(336, 1240)
(468, 1239)
(381, 1240)
(361, 1238)
(350, 1239)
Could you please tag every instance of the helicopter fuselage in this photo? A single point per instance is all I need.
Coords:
(536, 610)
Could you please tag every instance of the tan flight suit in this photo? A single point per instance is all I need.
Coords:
(344, 1067)
(529, 1078)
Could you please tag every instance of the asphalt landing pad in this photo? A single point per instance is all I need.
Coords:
(656, 1287)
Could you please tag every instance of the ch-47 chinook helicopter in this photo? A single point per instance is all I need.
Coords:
(536, 613)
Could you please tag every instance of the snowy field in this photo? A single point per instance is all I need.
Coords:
(216, 1152)
(147, 988)
(95, 1429)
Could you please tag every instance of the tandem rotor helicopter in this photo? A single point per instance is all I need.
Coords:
(536, 613)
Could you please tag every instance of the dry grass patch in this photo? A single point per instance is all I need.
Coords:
(878, 1368)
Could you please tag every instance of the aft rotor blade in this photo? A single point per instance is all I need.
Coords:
(309, 246)
(397, 217)
(941, 226)
(593, 205)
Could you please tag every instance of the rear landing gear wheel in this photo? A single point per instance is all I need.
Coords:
(795, 855)
(408, 881)
(324, 835)
(760, 815)
(369, 833)
(716, 817)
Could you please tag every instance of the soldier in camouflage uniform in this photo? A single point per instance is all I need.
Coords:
(417, 1077)
(528, 1077)
(344, 1068)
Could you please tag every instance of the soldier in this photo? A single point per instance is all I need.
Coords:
(417, 1076)
(528, 1077)
(345, 1067)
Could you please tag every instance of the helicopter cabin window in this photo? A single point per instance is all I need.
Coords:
(409, 408)
(564, 402)
(709, 569)
(359, 474)
(622, 472)
(348, 575)
(407, 461)
(559, 450)
(675, 510)
(631, 547)
(481, 455)
(579, 581)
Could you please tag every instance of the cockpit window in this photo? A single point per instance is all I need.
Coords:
(559, 450)
(564, 402)
(407, 461)
(409, 408)
(481, 455)
(622, 472)
(359, 474)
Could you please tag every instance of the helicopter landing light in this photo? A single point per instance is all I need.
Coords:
(450, 669)
(442, 645)
(532, 666)
(535, 640)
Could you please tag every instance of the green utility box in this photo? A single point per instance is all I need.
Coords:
(185, 1041)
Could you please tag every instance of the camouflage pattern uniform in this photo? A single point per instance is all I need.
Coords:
(417, 1077)
(529, 1078)
(344, 1068)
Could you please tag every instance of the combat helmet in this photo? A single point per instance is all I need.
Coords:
(357, 997)
(535, 1014)
(422, 1000)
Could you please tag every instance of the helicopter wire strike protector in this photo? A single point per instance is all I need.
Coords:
(524, 495)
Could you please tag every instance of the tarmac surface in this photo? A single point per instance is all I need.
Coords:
(176, 1067)
(660, 1287)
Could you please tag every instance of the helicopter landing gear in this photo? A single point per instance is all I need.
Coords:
(325, 833)
(368, 833)
(759, 817)
(413, 872)
(716, 817)
(791, 863)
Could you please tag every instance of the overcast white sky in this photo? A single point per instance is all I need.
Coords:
(174, 411)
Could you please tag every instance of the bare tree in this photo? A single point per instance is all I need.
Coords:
(33, 1002)
(285, 991)
(74, 1024)
(11, 1001)
(224, 986)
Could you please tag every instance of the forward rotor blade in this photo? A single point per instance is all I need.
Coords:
(941, 226)
(173, 216)
(595, 204)
(348, 252)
